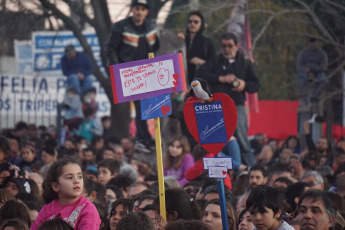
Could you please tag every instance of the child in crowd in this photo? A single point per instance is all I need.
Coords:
(178, 159)
(89, 100)
(28, 155)
(107, 169)
(265, 205)
(91, 125)
(245, 220)
(62, 191)
(73, 110)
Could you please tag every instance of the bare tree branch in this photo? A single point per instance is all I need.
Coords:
(80, 11)
(269, 21)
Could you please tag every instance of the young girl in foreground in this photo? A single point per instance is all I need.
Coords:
(62, 193)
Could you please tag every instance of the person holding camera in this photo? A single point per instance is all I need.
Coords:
(231, 73)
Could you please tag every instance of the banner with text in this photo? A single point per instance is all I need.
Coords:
(147, 78)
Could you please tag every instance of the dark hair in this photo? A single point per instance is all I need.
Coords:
(55, 224)
(316, 195)
(53, 174)
(116, 190)
(240, 215)
(93, 186)
(263, 196)
(293, 191)
(126, 203)
(112, 165)
(285, 180)
(198, 152)
(337, 199)
(5, 146)
(187, 225)
(14, 209)
(177, 200)
(121, 181)
(135, 221)
(5, 196)
(232, 220)
(105, 118)
(31, 201)
(172, 162)
(50, 150)
(214, 189)
(258, 167)
(96, 139)
(229, 36)
(198, 13)
(15, 223)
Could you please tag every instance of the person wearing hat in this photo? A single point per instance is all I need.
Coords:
(77, 67)
(131, 39)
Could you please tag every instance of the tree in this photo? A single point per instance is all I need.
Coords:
(102, 24)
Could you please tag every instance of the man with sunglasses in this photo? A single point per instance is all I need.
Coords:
(131, 39)
(232, 74)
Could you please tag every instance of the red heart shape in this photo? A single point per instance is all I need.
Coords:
(175, 83)
(174, 89)
(224, 172)
(165, 109)
(176, 76)
(230, 119)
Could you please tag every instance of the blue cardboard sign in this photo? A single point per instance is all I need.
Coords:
(153, 107)
(210, 121)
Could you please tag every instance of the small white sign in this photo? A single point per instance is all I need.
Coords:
(217, 161)
(217, 171)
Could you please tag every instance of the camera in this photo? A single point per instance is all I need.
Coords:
(235, 83)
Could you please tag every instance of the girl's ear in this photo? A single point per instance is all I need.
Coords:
(55, 186)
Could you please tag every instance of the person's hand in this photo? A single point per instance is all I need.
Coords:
(80, 76)
(240, 87)
(227, 79)
(162, 222)
(180, 34)
(197, 61)
(306, 127)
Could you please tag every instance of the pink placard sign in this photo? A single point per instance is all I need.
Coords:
(147, 78)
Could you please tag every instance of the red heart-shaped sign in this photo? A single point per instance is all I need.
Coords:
(165, 109)
(176, 76)
(230, 119)
(224, 172)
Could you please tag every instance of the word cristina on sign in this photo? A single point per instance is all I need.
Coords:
(147, 78)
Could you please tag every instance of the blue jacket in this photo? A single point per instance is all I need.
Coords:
(81, 63)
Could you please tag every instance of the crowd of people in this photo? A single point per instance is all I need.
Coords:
(91, 179)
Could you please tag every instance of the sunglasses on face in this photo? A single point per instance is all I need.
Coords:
(224, 46)
(193, 21)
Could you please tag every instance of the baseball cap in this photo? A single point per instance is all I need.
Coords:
(141, 2)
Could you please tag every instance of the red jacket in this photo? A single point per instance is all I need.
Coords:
(198, 169)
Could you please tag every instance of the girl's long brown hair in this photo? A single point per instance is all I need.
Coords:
(169, 160)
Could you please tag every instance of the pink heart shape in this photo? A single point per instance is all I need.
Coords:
(165, 109)
(176, 76)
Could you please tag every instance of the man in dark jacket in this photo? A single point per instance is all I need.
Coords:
(131, 39)
(78, 68)
(232, 74)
